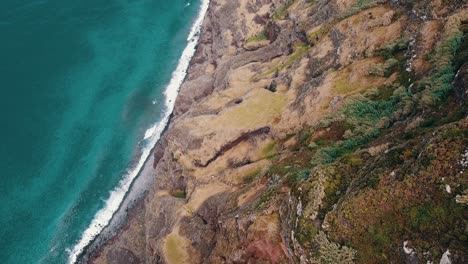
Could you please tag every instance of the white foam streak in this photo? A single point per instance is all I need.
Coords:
(152, 135)
(149, 133)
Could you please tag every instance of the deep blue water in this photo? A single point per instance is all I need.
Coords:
(81, 81)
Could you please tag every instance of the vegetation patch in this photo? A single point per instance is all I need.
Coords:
(437, 87)
(260, 107)
(269, 150)
(299, 52)
(315, 36)
(306, 232)
(181, 194)
(413, 200)
(280, 12)
(174, 249)
(252, 175)
(266, 197)
(292, 168)
(393, 48)
(384, 69)
(335, 186)
(332, 133)
(259, 37)
(332, 253)
(368, 118)
(360, 5)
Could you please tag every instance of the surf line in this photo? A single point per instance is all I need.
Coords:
(152, 135)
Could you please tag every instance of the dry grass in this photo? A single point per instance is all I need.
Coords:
(354, 78)
(175, 249)
(258, 108)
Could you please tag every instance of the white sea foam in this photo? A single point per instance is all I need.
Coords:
(149, 132)
(152, 135)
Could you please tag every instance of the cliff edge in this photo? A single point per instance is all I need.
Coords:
(313, 131)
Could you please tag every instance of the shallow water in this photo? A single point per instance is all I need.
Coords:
(82, 81)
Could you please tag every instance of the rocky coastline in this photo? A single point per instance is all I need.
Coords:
(297, 122)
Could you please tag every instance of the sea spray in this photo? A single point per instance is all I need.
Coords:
(152, 135)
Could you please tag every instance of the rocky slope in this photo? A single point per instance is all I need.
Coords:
(313, 131)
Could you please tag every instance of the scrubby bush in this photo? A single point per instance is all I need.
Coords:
(384, 69)
(332, 253)
(391, 49)
(439, 84)
(368, 118)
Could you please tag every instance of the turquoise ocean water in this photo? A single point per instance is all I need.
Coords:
(81, 82)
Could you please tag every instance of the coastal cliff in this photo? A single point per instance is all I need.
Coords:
(313, 132)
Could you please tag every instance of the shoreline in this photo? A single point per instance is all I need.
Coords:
(135, 196)
(141, 183)
(226, 193)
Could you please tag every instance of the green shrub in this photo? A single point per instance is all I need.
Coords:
(384, 69)
(179, 194)
(391, 49)
(434, 218)
(454, 132)
(298, 175)
(437, 87)
(332, 253)
(261, 36)
(306, 231)
(429, 122)
(368, 118)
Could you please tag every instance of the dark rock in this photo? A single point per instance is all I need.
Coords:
(232, 144)
(460, 84)
(412, 259)
(302, 36)
(121, 256)
(158, 154)
(259, 20)
(272, 31)
(272, 86)
(191, 92)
